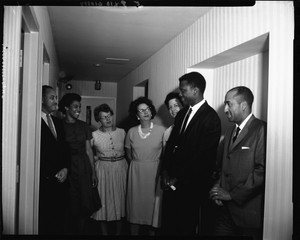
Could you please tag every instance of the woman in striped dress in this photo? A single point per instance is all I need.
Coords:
(111, 169)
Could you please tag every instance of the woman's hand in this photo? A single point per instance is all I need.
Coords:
(94, 179)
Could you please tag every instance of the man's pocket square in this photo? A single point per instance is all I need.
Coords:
(243, 147)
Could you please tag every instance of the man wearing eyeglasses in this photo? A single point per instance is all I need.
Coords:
(189, 159)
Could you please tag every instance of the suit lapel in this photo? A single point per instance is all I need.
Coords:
(48, 130)
(242, 134)
(195, 117)
(228, 140)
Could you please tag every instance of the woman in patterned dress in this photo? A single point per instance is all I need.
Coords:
(82, 176)
(143, 146)
(111, 169)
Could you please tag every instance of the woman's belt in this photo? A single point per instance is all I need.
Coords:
(111, 159)
(145, 161)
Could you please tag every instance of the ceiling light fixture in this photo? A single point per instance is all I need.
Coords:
(118, 59)
(97, 64)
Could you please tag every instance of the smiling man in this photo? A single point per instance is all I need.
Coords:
(54, 164)
(189, 159)
(240, 189)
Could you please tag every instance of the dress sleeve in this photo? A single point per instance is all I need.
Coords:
(88, 132)
(128, 138)
(123, 134)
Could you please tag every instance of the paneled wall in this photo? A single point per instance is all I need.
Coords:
(249, 72)
(87, 88)
(219, 30)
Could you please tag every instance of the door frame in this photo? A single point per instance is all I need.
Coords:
(20, 214)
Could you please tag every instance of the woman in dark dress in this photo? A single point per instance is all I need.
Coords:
(82, 175)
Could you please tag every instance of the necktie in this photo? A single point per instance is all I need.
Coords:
(185, 121)
(50, 124)
(236, 134)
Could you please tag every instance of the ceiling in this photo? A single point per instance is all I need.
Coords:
(118, 39)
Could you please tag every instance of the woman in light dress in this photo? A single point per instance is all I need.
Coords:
(143, 146)
(174, 104)
(111, 170)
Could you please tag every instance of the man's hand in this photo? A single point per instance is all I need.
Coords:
(171, 183)
(62, 175)
(166, 182)
(218, 194)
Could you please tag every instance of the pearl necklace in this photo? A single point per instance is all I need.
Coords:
(145, 135)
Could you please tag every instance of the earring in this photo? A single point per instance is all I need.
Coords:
(138, 118)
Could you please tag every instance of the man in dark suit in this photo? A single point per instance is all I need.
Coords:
(54, 165)
(189, 159)
(240, 189)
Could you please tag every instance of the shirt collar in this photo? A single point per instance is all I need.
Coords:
(197, 106)
(244, 122)
(44, 116)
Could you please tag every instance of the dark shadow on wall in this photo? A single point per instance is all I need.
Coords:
(163, 114)
(225, 124)
(128, 123)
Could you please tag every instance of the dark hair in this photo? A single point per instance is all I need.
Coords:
(134, 104)
(45, 89)
(194, 79)
(67, 100)
(173, 95)
(102, 108)
(245, 93)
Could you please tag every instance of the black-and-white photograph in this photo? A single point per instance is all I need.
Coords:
(150, 119)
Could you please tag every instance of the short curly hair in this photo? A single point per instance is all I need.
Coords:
(45, 89)
(134, 104)
(246, 94)
(102, 108)
(173, 95)
(67, 100)
(194, 79)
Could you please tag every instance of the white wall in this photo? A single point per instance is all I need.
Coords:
(219, 30)
(249, 72)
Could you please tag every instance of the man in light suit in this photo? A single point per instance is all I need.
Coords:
(240, 189)
(189, 159)
(54, 164)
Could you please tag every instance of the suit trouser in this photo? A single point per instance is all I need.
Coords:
(225, 226)
(180, 211)
(52, 206)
